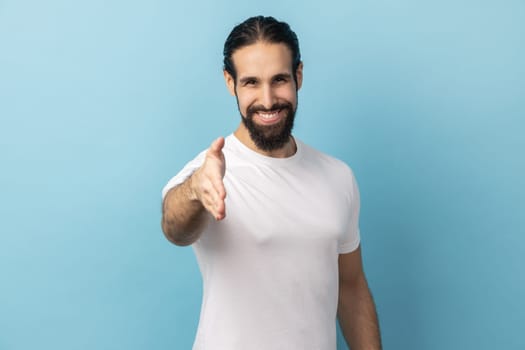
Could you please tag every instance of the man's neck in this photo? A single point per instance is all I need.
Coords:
(286, 151)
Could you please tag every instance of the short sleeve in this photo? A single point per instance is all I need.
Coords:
(184, 173)
(351, 236)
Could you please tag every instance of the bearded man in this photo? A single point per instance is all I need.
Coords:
(273, 222)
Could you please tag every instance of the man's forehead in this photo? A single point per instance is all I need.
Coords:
(263, 57)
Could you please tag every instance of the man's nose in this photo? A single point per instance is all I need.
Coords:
(267, 97)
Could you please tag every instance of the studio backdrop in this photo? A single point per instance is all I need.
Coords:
(101, 102)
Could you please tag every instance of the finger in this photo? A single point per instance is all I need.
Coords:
(220, 210)
(217, 197)
(216, 146)
(218, 186)
(210, 204)
(213, 202)
(216, 209)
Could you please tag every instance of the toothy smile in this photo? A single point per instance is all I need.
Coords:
(269, 117)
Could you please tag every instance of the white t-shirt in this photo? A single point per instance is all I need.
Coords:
(270, 268)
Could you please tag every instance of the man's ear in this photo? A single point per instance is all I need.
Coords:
(230, 82)
(299, 75)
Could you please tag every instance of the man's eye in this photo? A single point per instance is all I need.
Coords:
(250, 82)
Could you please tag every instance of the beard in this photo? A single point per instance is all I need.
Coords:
(270, 137)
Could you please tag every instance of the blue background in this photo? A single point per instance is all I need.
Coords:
(101, 102)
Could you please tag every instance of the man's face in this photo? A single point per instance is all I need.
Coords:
(266, 92)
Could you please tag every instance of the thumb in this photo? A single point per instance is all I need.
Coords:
(216, 146)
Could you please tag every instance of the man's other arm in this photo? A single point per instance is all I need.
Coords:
(186, 206)
(356, 310)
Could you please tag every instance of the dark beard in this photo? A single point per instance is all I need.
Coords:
(270, 137)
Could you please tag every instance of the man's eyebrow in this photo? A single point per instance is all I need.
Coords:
(246, 79)
(282, 76)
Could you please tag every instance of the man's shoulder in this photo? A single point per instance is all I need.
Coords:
(322, 158)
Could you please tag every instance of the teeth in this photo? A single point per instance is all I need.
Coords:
(268, 115)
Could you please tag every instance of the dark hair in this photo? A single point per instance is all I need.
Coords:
(260, 28)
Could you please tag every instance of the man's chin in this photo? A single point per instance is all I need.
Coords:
(269, 141)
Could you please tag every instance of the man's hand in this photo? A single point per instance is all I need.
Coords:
(206, 182)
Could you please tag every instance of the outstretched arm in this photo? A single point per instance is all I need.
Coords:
(186, 206)
(356, 310)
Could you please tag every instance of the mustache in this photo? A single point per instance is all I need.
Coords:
(275, 106)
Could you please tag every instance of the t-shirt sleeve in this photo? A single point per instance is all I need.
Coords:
(351, 236)
(184, 173)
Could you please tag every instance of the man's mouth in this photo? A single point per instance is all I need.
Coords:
(269, 117)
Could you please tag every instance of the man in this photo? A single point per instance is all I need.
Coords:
(273, 222)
